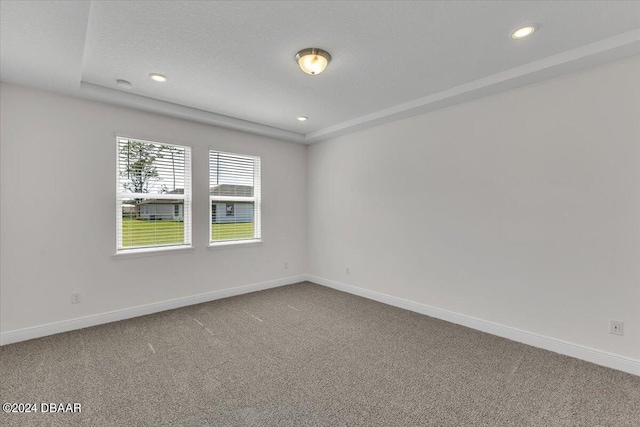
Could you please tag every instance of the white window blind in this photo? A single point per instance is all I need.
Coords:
(234, 197)
(153, 195)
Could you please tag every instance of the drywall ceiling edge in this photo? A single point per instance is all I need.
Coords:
(111, 96)
(587, 56)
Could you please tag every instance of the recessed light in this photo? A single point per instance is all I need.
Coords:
(523, 32)
(158, 77)
(123, 84)
(303, 118)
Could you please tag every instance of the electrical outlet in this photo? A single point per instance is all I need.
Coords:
(286, 265)
(75, 298)
(616, 327)
(348, 271)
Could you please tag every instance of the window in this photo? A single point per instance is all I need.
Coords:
(234, 197)
(153, 196)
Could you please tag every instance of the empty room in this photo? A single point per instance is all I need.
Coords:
(320, 213)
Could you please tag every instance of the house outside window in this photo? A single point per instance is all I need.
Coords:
(153, 196)
(234, 198)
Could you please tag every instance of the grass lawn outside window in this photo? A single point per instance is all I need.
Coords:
(137, 232)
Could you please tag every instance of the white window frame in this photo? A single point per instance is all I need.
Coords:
(256, 199)
(186, 197)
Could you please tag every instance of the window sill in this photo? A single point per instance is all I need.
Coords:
(137, 253)
(234, 244)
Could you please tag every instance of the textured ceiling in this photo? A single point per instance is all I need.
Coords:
(235, 59)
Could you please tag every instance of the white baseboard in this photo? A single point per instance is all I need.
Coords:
(599, 357)
(18, 335)
(592, 355)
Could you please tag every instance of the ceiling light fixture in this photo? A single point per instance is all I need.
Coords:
(312, 60)
(123, 84)
(303, 118)
(523, 32)
(158, 77)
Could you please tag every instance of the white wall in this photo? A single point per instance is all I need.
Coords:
(58, 211)
(521, 208)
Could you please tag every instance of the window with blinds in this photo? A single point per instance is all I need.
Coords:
(153, 196)
(234, 197)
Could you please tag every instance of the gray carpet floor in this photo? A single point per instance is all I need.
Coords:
(306, 355)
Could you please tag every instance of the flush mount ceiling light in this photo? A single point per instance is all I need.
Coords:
(523, 32)
(302, 118)
(158, 77)
(312, 60)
